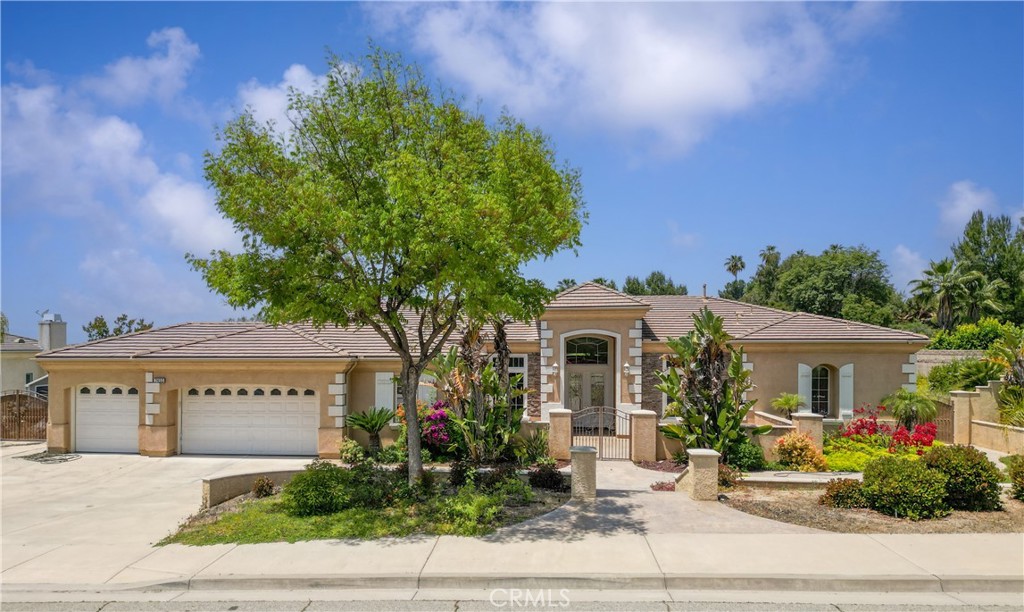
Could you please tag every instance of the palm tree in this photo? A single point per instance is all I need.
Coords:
(372, 421)
(788, 403)
(981, 296)
(565, 283)
(910, 407)
(943, 284)
(734, 265)
(770, 256)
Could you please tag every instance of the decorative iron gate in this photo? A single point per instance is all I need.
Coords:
(603, 427)
(22, 416)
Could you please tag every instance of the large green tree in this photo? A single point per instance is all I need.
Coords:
(943, 286)
(656, 283)
(389, 205)
(992, 247)
(822, 284)
(98, 328)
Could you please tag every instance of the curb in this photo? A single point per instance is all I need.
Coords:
(612, 582)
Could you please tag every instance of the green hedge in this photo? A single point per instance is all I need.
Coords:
(905, 489)
(971, 336)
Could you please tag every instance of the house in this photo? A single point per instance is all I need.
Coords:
(19, 371)
(252, 388)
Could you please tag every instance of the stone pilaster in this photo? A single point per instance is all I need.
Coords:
(651, 363)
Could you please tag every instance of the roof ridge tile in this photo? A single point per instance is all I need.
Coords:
(110, 338)
(327, 345)
(198, 340)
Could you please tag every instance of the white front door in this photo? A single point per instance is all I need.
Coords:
(107, 419)
(249, 421)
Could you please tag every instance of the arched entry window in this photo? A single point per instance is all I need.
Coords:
(586, 351)
(821, 390)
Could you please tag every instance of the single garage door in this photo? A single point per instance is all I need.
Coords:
(249, 421)
(107, 419)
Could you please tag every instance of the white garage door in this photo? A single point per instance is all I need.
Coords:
(249, 421)
(107, 419)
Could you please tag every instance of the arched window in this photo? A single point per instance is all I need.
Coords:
(309, 392)
(225, 391)
(292, 392)
(133, 391)
(243, 392)
(101, 391)
(209, 392)
(193, 391)
(85, 391)
(275, 392)
(117, 391)
(258, 392)
(585, 350)
(821, 390)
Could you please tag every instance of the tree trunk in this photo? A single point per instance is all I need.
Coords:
(410, 385)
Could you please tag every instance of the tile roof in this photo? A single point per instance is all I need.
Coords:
(593, 295)
(671, 316)
(668, 316)
(16, 343)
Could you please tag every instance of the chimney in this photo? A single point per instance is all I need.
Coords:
(53, 332)
(705, 291)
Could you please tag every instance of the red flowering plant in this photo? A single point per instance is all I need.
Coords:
(903, 440)
(866, 428)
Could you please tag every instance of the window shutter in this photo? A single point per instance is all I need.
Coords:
(384, 396)
(846, 391)
(803, 385)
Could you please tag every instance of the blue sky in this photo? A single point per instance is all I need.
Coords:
(702, 130)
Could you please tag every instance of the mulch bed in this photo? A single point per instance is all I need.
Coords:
(665, 465)
(800, 507)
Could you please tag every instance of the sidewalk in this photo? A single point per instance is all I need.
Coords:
(630, 539)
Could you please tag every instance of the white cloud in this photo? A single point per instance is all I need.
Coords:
(962, 200)
(126, 280)
(187, 212)
(681, 239)
(906, 265)
(161, 76)
(667, 70)
(270, 102)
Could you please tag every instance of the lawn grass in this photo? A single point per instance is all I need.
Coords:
(255, 521)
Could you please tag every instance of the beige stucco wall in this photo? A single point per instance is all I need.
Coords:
(566, 325)
(161, 438)
(877, 369)
(14, 365)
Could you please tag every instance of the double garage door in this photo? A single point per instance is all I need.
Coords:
(214, 420)
(249, 421)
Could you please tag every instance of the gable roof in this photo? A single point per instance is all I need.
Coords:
(592, 295)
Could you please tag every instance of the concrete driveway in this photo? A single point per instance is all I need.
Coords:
(93, 515)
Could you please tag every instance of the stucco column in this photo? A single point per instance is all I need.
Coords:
(584, 473)
(560, 435)
(643, 425)
(962, 401)
(810, 424)
(700, 480)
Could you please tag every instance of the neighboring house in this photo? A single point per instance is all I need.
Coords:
(20, 372)
(252, 388)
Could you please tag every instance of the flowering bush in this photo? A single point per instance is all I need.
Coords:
(796, 451)
(435, 425)
(923, 436)
(866, 425)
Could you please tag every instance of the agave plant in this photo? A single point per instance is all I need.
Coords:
(372, 421)
(910, 407)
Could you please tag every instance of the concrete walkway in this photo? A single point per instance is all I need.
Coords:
(630, 538)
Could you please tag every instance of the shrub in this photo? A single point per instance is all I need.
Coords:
(532, 449)
(961, 374)
(461, 473)
(1015, 469)
(866, 424)
(394, 453)
(972, 336)
(843, 493)
(351, 451)
(680, 457)
(972, 480)
(316, 490)
(788, 403)
(910, 407)
(372, 421)
(491, 480)
(514, 491)
(468, 512)
(547, 477)
(727, 477)
(747, 457)
(905, 489)
(262, 487)
(796, 451)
